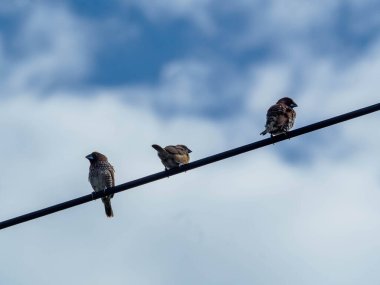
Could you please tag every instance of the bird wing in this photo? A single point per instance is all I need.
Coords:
(112, 171)
(173, 150)
(276, 110)
(179, 154)
(109, 176)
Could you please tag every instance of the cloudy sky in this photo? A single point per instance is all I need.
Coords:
(116, 76)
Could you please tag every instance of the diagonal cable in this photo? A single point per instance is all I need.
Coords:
(190, 166)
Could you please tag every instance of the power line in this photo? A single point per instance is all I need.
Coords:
(190, 166)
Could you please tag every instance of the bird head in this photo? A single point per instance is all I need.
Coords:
(96, 156)
(184, 147)
(288, 102)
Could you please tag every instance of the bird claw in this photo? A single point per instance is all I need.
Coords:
(181, 164)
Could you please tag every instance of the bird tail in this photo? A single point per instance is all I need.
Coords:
(264, 132)
(158, 148)
(107, 206)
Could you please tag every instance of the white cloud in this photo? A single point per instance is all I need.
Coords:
(189, 86)
(321, 87)
(253, 209)
(194, 10)
(52, 47)
(255, 218)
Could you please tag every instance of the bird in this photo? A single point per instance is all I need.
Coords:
(101, 177)
(280, 117)
(173, 156)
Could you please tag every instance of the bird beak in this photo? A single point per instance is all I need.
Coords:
(294, 105)
(89, 157)
(190, 151)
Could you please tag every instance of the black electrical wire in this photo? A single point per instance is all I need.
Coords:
(190, 166)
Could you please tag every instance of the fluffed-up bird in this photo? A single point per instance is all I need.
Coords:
(280, 117)
(173, 156)
(101, 176)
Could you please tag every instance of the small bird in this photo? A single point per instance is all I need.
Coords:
(280, 117)
(173, 156)
(101, 177)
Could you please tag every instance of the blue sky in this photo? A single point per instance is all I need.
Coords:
(118, 76)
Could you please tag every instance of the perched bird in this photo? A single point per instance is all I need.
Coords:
(101, 176)
(173, 156)
(280, 117)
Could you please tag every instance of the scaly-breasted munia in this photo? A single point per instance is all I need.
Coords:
(280, 117)
(101, 176)
(173, 156)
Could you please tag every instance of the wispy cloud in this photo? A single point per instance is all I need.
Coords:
(52, 48)
(258, 218)
(255, 209)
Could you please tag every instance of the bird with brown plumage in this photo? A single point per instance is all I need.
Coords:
(280, 117)
(173, 156)
(101, 177)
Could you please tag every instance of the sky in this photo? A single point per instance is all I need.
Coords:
(117, 76)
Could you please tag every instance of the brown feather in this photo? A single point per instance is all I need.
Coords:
(102, 176)
(280, 117)
(173, 156)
